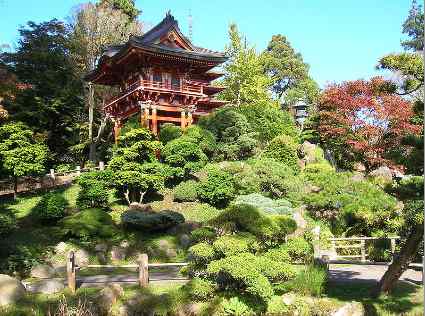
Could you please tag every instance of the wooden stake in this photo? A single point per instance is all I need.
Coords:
(143, 270)
(183, 120)
(154, 121)
(189, 118)
(71, 272)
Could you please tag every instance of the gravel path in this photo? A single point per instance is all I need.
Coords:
(367, 273)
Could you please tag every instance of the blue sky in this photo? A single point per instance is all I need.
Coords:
(341, 40)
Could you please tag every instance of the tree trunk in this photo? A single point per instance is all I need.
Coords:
(92, 151)
(401, 261)
(15, 187)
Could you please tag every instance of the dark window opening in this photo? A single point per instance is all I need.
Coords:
(175, 82)
(157, 77)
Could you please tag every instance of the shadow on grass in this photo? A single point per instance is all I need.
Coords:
(405, 299)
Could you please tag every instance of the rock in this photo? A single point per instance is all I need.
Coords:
(357, 177)
(61, 248)
(42, 271)
(125, 244)
(11, 290)
(184, 228)
(164, 244)
(101, 248)
(384, 173)
(171, 253)
(184, 240)
(109, 296)
(49, 286)
(82, 257)
(288, 298)
(299, 219)
(301, 163)
(350, 309)
(359, 167)
(190, 309)
(117, 253)
(311, 153)
(315, 189)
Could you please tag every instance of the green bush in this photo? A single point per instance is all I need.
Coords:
(318, 168)
(235, 306)
(299, 250)
(241, 271)
(201, 253)
(204, 138)
(64, 168)
(275, 271)
(229, 245)
(200, 289)
(169, 132)
(409, 188)
(7, 222)
(94, 191)
(21, 261)
(217, 187)
(151, 221)
(205, 234)
(265, 204)
(88, 224)
(276, 306)
(186, 191)
(310, 281)
(279, 254)
(51, 207)
(283, 149)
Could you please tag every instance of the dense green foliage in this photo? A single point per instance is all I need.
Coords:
(186, 191)
(151, 221)
(216, 187)
(169, 132)
(283, 149)
(7, 223)
(94, 189)
(265, 204)
(51, 207)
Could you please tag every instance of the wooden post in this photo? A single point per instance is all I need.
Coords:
(78, 168)
(117, 129)
(71, 272)
(101, 165)
(363, 249)
(154, 121)
(183, 120)
(52, 173)
(189, 118)
(143, 270)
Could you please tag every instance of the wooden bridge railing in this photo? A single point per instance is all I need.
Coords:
(142, 266)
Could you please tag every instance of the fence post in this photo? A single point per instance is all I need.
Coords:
(363, 249)
(71, 271)
(101, 165)
(143, 270)
(52, 173)
(78, 168)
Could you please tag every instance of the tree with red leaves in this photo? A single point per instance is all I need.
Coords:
(364, 121)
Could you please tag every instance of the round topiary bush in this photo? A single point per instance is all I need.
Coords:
(284, 149)
(51, 207)
(299, 250)
(169, 132)
(200, 289)
(217, 187)
(94, 191)
(186, 191)
(151, 221)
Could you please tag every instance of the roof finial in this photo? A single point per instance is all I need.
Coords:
(168, 14)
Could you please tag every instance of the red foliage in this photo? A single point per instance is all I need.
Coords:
(365, 119)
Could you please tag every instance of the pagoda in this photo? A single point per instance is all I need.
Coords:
(161, 76)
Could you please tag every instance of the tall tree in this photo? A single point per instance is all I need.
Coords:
(290, 80)
(244, 79)
(414, 28)
(49, 95)
(96, 26)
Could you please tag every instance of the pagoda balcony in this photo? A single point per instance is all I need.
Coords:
(196, 90)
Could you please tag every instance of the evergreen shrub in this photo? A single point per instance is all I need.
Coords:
(186, 191)
(217, 187)
(169, 132)
(151, 221)
(283, 149)
(52, 207)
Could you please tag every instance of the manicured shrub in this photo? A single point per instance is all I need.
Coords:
(94, 191)
(202, 253)
(64, 168)
(265, 204)
(229, 245)
(299, 250)
(200, 212)
(283, 149)
(7, 222)
(310, 281)
(88, 224)
(275, 271)
(276, 306)
(169, 132)
(200, 289)
(409, 188)
(286, 224)
(205, 234)
(51, 207)
(217, 187)
(204, 138)
(151, 221)
(279, 254)
(186, 191)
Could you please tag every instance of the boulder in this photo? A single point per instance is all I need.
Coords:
(311, 153)
(359, 167)
(184, 240)
(101, 247)
(42, 271)
(289, 298)
(82, 257)
(117, 253)
(11, 290)
(109, 296)
(383, 173)
(140, 207)
(315, 189)
(61, 248)
(49, 286)
(350, 309)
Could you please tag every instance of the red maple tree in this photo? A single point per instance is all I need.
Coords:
(364, 121)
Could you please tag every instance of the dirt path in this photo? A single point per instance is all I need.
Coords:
(367, 273)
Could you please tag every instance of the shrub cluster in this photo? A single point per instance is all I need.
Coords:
(51, 207)
(169, 132)
(94, 189)
(200, 289)
(283, 149)
(265, 204)
(186, 191)
(216, 187)
(151, 221)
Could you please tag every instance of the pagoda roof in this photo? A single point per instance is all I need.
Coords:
(165, 39)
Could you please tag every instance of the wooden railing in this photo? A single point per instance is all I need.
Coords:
(359, 243)
(142, 267)
(158, 86)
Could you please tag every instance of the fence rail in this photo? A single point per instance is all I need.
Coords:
(142, 267)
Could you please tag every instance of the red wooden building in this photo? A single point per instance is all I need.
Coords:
(161, 76)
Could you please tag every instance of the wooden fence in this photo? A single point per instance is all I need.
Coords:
(142, 267)
(51, 180)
